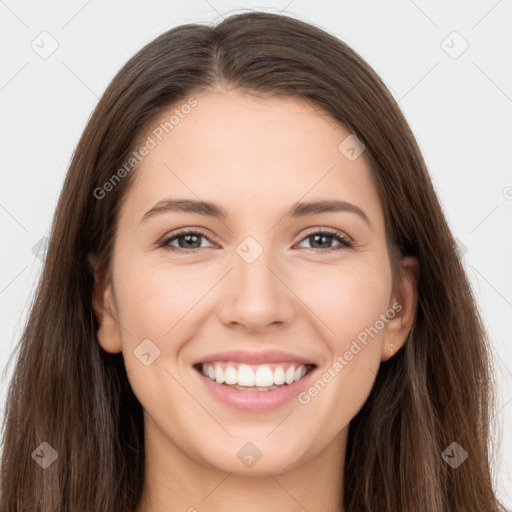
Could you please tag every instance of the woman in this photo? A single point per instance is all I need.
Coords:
(261, 369)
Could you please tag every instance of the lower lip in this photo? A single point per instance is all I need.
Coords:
(255, 400)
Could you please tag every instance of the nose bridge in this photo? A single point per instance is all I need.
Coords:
(252, 263)
(255, 295)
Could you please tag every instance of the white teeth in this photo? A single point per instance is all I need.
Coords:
(279, 375)
(290, 375)
(245, 375)
(258, 378)
(230, 375)
(219, 374)
(300, 372)
(264, 376)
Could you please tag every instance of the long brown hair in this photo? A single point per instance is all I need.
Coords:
(67, 392)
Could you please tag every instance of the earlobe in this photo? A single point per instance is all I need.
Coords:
(404, 304)
(104, 307)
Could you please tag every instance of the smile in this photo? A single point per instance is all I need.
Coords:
(254, 381)
(250, 377)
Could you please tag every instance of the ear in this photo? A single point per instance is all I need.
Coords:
(109, 335)
(404, 303)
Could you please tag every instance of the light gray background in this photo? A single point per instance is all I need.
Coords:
(459, 107)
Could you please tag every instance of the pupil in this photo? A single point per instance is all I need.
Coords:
(321, 237)
(187, 237)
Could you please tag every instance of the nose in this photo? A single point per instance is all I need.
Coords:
(255, 294)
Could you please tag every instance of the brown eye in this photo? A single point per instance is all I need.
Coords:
(322, 240)
(187, 240)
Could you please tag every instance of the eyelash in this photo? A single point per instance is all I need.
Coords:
(344, 241)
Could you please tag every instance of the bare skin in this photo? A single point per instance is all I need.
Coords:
(255, 158)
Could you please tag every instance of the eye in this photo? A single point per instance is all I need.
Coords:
(191, 239)
(319, 237)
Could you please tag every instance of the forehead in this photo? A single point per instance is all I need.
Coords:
(250, 153)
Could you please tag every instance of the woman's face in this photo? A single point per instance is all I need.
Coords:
(261, 295)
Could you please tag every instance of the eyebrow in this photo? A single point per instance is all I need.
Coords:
(209, 209)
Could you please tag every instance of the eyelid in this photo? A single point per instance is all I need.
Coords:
(321, 229)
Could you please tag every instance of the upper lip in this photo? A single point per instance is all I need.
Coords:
(260, 357)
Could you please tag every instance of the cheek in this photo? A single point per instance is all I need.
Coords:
(153, 299)
(356, 299)
(348, 298)
(154, 304)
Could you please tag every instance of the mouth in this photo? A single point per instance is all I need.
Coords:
(251, 387)
(254, 377)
